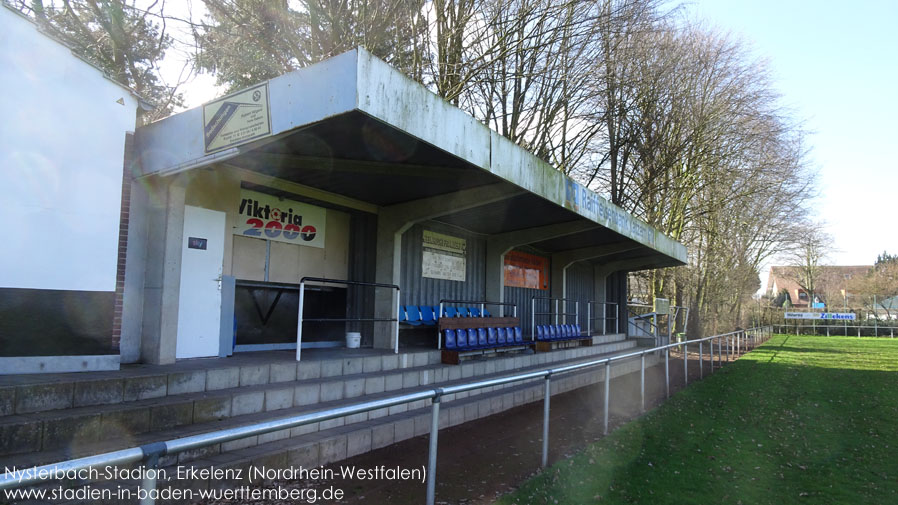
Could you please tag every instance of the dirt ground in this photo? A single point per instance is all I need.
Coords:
(481, 460)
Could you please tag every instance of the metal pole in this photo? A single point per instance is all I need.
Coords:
(685, 364)
(396, 327)
(589, 318)
(556, 311)
(667, 372)
(605, 318)
(607, 392)
(711, 354)
(432, 453)
(545, 460)
(642, 381)
(533, 319)
(616, 319)
(148, 483)
(302, 292)
(701, 361)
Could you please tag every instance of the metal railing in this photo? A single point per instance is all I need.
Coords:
(590, 318)
(482, 304)
(149, 454)
(556, 312)
(837, 330)
(321, 280)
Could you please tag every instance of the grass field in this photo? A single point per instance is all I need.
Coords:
(799, 420)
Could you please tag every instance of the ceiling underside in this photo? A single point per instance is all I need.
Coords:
(364, 159)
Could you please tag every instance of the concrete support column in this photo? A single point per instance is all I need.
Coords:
(162, 283)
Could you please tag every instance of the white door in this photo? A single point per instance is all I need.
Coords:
(199, 304)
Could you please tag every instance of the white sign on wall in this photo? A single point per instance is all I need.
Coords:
(269, 217)
(236, 119)
(444, 257)
(820, 315)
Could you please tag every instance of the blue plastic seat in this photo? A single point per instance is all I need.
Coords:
(403, 317)
(518, 335)
(491, 337)
(474, 311)
(568, 331)
(427, 315)
(486, 313)
(449, 311)
(462, 311)
(578, 329)
(472, 338)
(541, 332)
(414, 315)
(500, 336)
(449, 339)
(482, 341)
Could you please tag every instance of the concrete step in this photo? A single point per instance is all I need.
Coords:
(309, 446)
(26, 394)
(54, 436)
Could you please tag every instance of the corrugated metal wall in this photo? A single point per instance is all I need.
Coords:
(360, 300)
(418, 290)
(580, 286)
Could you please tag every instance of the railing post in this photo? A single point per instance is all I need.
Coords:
(151, 462)
(711, 354)
(605, 318)
(533, 319)
(396, 328)
(616, 319)
(667, 371)
(701, 361)
(685, 364)
(556, 311)
(432, 452)
(589, 318)
(302, 292)
(607, 392)
(642, 381)
(545, 460)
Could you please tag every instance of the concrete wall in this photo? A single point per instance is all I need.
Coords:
(62, 144)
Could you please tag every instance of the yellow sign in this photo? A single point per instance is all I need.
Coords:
(236, 119)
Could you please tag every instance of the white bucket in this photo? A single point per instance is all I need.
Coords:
(353, 339)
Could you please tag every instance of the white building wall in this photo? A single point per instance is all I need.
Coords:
(61, 152)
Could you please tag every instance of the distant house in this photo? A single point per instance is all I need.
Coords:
(832, 282)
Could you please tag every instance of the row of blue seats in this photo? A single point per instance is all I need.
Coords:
(482, 338)
(427, 314)
(550, 332)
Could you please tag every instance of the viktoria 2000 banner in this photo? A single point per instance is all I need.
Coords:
(272, 218)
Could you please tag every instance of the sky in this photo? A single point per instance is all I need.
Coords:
(836, 67)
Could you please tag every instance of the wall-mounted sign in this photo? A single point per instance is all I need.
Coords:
(589, 204)
(196, 243)
(236, 119)
(524, 270)
(444, 257)
(820, 315)
(271, 218)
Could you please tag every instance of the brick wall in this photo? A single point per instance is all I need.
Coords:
(127, 178)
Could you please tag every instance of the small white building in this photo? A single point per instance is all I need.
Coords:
(62, 145)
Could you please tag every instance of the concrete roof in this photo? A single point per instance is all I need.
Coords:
(370, 132)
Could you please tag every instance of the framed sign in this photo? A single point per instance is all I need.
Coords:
(236, 119)
(523, 270)
(444, 257)
(269, 217)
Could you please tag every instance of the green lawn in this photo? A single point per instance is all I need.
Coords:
(799, 420)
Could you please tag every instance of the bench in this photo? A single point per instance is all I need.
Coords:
(550, 336)
(464, 336)
(417, 315)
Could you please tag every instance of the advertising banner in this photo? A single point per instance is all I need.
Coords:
(820, 315)
(444, 257)
(269, 217)
(523, 270)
